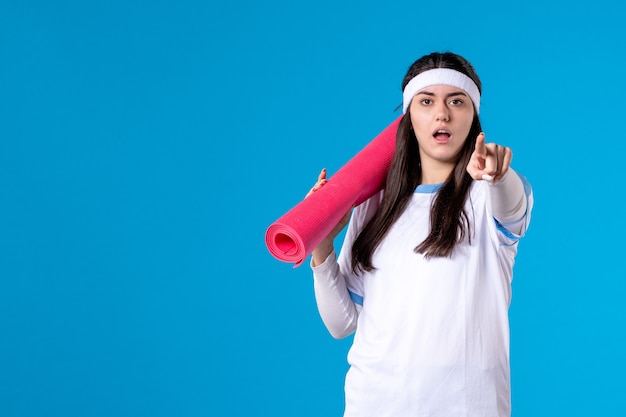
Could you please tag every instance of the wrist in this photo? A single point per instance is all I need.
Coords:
(322, 252)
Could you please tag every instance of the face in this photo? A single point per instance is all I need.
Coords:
(441, 116)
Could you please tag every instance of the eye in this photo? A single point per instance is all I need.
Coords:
(426, 101)
(456, 102)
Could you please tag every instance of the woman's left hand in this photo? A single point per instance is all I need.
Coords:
(489, 161)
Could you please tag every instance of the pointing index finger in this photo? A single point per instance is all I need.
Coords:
(481, 150)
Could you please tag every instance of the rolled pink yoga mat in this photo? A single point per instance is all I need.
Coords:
(294, 235)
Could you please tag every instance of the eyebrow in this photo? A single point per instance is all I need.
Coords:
(456, 93)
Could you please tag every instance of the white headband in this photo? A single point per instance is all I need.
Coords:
(440, 76)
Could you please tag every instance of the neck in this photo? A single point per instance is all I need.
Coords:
(435, 172)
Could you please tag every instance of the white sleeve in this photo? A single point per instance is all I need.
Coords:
(338, 291)
(508, 201)
(338, 311)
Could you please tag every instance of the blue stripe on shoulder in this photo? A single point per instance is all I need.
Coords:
(504, 230)
(356, 298)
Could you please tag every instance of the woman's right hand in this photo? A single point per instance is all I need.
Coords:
(326, 246)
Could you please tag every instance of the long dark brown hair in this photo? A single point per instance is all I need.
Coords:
(449, 223)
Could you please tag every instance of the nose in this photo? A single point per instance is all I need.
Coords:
(442, 114)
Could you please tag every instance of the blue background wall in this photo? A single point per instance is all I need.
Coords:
(145, 146)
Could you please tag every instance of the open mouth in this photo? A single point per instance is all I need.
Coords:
(442, 135)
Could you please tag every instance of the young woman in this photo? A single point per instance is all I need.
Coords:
(424, 274)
